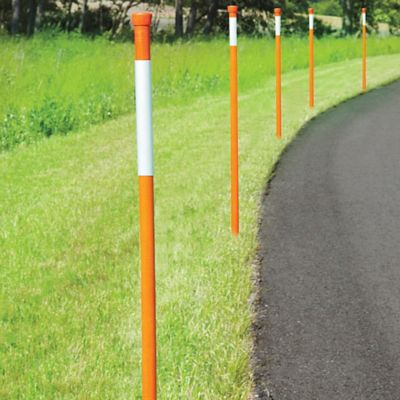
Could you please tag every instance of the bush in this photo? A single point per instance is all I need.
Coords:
(328, 7)
(53, 117)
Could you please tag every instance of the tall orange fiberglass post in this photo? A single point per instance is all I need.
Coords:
(144, 133)
(364, 48)
(311, 37)
(278, 68)
(232, 10)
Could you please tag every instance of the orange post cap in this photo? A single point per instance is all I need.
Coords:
(311, 11)
(364, 10)
(232, 10)
(141, 22)
(141, 19)
(277, 12)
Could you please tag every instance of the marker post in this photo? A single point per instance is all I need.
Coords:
(232, 10)
(144, 133)
(311, 40)
(364, 48)
(278, 71)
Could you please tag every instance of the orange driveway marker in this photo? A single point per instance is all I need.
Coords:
(278, 71)
(232, 10)
(311, 37)
(144, 134)
(364, 48)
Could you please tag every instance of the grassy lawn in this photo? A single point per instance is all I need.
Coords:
(69, 262)
(59, 84)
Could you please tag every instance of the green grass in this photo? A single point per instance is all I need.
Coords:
(69, 262)
(57, 85)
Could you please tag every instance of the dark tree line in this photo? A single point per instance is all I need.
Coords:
(203, 16)
(25, 17)
(189, 17)
(351, 13)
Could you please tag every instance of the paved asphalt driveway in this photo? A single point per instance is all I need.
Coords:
(328, 322)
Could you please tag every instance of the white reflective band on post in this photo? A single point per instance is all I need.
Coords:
(144, 124)
(232, 31)
(364, 18)
(278, 25)
(311, 21)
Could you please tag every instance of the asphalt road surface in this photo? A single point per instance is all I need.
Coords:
(328, 320)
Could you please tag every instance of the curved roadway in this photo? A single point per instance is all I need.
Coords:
(328, 320)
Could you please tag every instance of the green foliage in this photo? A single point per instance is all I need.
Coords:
(300, 25)
(389, 11)
(352, 14)
(327, 7)
(51, 117)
